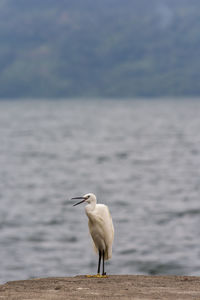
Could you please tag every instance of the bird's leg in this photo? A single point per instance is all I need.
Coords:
(98, 270)
(99, 264)
(103, 273)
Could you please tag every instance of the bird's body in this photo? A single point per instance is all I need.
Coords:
(100, 226)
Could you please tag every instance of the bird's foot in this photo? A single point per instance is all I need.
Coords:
(97, 276)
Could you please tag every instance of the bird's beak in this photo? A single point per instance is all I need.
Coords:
(83, 200)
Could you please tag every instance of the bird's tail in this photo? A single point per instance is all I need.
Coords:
(108, 251)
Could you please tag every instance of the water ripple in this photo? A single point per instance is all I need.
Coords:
(141, 158)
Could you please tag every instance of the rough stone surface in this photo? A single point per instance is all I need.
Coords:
(114, 287)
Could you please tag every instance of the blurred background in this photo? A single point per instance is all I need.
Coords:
(102, 97)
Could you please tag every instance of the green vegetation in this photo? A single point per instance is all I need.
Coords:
(102, 48)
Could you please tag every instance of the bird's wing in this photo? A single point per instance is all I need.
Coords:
(109, 233)
(107, 220)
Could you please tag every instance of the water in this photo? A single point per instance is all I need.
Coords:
(141, 158)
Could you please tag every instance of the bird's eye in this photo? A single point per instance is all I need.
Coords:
(88, 196)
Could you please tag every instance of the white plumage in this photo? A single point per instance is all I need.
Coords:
(100, 226)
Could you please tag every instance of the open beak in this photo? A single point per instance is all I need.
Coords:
(83, 200)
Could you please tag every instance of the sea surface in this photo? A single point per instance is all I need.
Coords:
(140, 157)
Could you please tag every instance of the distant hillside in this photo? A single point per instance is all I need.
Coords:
(106, 48)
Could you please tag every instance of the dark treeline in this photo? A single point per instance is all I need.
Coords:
(106, 48)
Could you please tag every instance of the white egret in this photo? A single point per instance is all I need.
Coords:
(101, 228)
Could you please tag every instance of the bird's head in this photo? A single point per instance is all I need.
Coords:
(89, 198)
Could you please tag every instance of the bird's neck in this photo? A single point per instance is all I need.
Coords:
(90, 207)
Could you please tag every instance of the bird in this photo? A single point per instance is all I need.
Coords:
(100, 227)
